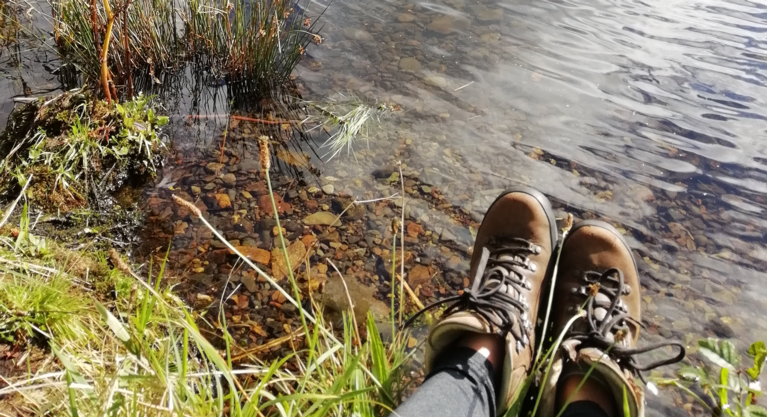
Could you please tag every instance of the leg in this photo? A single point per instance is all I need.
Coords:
(591, 400)
(462, 382)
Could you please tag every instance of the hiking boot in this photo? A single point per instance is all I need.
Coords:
(596, 268)
(508, 268)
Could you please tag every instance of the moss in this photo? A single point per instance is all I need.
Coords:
(78, 149)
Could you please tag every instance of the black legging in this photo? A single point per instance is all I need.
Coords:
(461, 385)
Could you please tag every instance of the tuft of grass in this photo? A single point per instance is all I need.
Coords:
(348, 120)
(256, 43)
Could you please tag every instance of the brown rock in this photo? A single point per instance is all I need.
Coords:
(278, 297)
(311, 204)
(405, 17)
(322, 218)
(296, 253)
(419, 275)
(230, 179)
(258, 188)
(223, 201)
(250, 283)
(218, 256)
(255, 254)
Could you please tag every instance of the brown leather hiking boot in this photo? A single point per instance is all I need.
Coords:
(508, 268)
(598, 272)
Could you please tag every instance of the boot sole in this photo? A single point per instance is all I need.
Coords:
(608, 227)
(545, 204)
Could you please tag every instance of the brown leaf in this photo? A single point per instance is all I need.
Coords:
(412, 342)
(296, 252)
(257, 329)
(419, 275)
(414, 229)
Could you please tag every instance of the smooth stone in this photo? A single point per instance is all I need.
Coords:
(230, 179)
(448, 24)
(214, 167)
(405, 18)
(328, 188)
(434, 81)
(248, 164)
(487, 14)
(358, 34)
(250, 283)
(322, 218)
(409, 64)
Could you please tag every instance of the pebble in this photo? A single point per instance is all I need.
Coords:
(434, 81)
(214, 167)
(447, 24)
(405, 17)
(196, 190)
(322, 218)
(248, 164)
(409, 64)
(358, 35)
(230, 179)
(328, 189)
(446, 236)
(250, 283)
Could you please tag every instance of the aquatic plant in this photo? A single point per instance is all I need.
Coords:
(347, 119)
(254, 42)
(730, 391)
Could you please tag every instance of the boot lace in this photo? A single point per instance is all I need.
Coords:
(607, 322)
(498, 291)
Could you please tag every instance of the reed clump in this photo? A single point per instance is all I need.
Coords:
(255, 42)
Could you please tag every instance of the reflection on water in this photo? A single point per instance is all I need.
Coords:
(650, 114)
(27, 61)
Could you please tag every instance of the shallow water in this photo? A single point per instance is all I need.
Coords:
(26, 65)
(660, 103)
(649, 114)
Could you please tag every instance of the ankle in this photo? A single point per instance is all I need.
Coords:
(488, 345)
(591, 390)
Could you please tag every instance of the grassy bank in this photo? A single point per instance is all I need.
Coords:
(111, 341)
(122, 344)
(72, 151)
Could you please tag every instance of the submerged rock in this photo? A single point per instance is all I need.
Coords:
(409, 64)
(325, 218)
(336, 296)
